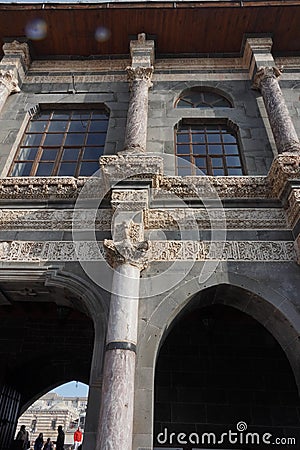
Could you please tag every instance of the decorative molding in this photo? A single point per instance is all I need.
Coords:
(125, 166)
(55, 219)
(41, 188)
(208, 187)
(129, 200)
(235, 218)
(55, 251)
(170, 219)
(122, 167)
(9, 81)
(284, 167)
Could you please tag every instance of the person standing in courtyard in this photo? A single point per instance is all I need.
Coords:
(22, 439)
(77, 438)
(38, 444)
(60, 440)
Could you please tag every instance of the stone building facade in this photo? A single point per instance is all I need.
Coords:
(50, 411)
(166, 274)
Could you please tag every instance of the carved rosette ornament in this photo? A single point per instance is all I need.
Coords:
(8, 81)
(285, 135)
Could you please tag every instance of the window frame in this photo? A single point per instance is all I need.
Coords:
(195, 169)
(202, 91)
(59, 149)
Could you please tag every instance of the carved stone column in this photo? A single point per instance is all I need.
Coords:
(8, 85)
(285, 135)
(139, 77)
(127, 254)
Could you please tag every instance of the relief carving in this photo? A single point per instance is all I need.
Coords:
(9, 81)
(127, 246)
(141, 253)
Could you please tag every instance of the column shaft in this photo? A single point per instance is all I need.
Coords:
(285, 135)
(137, 116)
(116, 417)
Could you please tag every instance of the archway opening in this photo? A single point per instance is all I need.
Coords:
(45, 341)
(218, 369)
(63, 406)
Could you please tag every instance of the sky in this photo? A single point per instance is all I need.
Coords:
(72, 389)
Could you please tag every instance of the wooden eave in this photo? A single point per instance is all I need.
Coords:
(183, 28)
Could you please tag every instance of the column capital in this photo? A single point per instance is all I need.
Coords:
(139, 74)
(9, 80)
(127, 246)
(20, 49)
(264, 73)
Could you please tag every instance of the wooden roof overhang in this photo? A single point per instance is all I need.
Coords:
(182, 28)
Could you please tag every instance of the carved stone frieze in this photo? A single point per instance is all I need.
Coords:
(51, 251)
(125, 166)
(224, 187)
(40, 219)
(169, 219)
(48, 187)
(236, 218)
(284, 167)
(9, 81)
(130, 200)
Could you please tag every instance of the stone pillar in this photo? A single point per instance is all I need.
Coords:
(127, 254)
(139, 77)
(8, 85)
(285, 135)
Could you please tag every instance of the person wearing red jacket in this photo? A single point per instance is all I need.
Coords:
(77, 438)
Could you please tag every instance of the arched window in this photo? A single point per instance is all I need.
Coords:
(202, 98)
(211, 147)
(62, 142)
